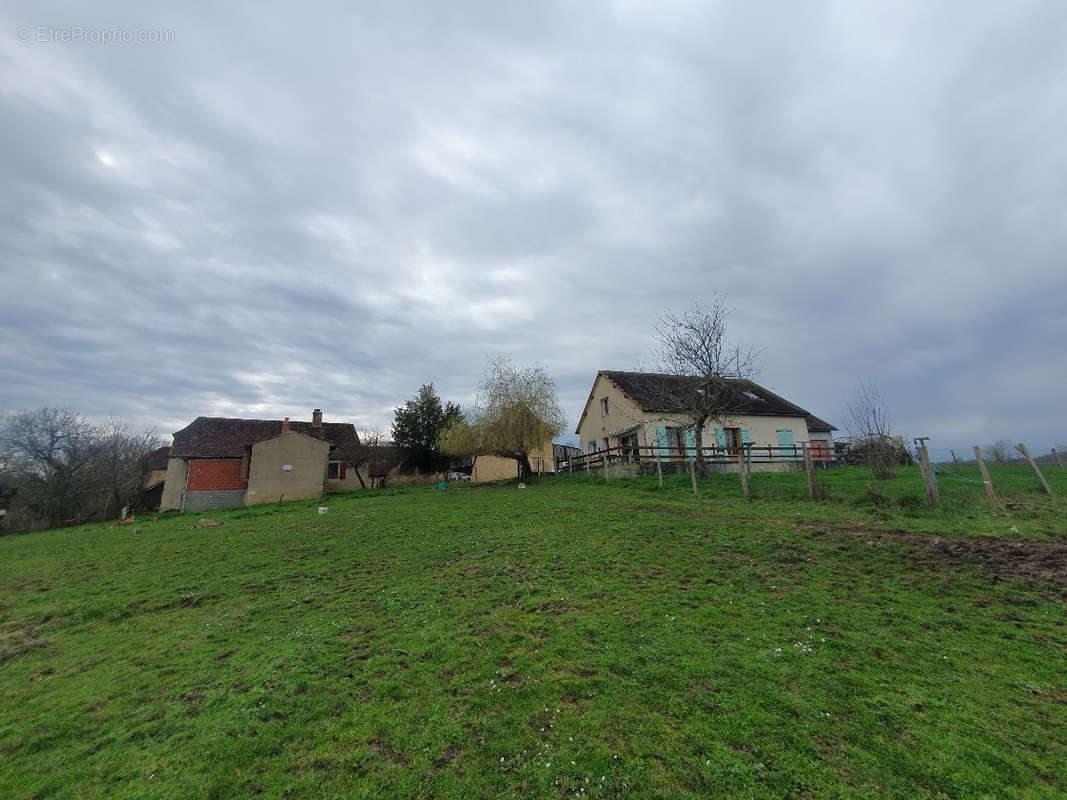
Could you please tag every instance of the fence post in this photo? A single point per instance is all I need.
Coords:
(809, 466)
(693, 474)
(1059, 458)
(954, 459)
(659, 469)
(985, 473)
(1022, 449)
(932, 496)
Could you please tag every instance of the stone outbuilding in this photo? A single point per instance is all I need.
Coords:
(220, 462)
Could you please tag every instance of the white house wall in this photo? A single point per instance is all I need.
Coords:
(622, 413)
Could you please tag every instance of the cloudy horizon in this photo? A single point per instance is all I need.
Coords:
(238, 213)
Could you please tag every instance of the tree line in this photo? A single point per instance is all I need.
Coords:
(58, 468)
(515, 412)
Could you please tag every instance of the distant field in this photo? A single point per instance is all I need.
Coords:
(574, 638)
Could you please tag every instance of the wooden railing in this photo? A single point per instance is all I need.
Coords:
(822, 455)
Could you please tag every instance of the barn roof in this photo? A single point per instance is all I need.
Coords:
(229, 437)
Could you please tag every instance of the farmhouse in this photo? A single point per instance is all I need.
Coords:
(218, 462)
(632, 410)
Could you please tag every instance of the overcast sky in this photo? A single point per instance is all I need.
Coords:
(276, 211)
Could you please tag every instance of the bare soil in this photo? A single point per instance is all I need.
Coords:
(1027, 559)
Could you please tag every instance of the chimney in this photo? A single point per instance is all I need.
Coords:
(285, 425)
(316, 418)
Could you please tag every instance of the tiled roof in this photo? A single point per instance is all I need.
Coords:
(227, 437)
(820, 425)
(654, 391)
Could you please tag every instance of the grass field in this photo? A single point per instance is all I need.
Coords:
(574, 638)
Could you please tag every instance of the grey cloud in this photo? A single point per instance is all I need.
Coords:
(276, 212)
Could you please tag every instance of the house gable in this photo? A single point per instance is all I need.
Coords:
(597, 422)
(289, 466)
(600, 383)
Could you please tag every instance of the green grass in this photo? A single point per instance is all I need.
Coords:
(576, 637)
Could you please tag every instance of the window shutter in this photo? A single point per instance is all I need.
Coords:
(785, 440)
(341, 471)
(690, 441)
(746, 436)
(720, 436)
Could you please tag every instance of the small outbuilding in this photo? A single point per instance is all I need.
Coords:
(220, 462)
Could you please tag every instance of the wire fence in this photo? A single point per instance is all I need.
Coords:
(936, 464)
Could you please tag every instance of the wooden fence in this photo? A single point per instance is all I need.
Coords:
(643, 457)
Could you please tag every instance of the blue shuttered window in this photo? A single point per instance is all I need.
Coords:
(661, 443)
(690, 442)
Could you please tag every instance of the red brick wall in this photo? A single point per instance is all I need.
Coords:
(223, 474)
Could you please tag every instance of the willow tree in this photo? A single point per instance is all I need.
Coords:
(515, 413)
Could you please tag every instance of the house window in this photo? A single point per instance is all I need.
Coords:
(676, 443)
(733, 439)
(590, 447)
(603, 406)
(335, 469)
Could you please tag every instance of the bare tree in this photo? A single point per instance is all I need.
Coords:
(516, 411)
(1001, 451)
(68, 471)
(695, 345)
(121, 463)
(371, 440)
(50, 455)
(871, 428)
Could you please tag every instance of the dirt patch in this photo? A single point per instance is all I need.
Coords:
(1057, 694)
(556, 609)
(1025, 559)
(514, 680)
(1028, 559)
(668, 510)
(19, 638)
(385, 749)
